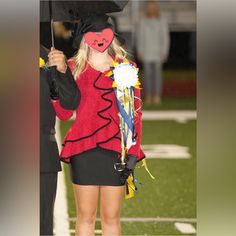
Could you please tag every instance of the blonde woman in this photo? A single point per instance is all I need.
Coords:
(152, 48)
(93, 145)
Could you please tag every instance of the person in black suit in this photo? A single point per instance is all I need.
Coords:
(65, 89)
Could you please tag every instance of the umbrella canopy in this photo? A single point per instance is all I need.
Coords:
(73, 10)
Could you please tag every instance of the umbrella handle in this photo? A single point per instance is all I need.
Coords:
(52, 33)
(53, 72)
(54, 93)
(51, 17)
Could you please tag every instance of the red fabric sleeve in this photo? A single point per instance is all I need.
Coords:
(136, 149)
(61, 113)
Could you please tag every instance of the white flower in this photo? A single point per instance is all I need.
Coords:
(125, 75)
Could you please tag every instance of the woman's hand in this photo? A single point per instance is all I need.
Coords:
(58, 59)
(130, 164)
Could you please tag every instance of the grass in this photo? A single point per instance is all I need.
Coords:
(176, 74)
(180, 74)
(173, 104)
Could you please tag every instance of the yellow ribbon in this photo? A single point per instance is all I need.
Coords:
(131, 188)
(146, 168)
(109, 73)
(41, 62)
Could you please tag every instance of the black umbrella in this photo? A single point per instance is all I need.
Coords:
(71, 11)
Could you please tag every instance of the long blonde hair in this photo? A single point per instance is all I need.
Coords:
(81, 57)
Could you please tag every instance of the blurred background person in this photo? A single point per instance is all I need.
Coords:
(152, 50)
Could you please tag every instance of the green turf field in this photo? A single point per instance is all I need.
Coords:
(179, 74)
(173, 104)
(171, 195)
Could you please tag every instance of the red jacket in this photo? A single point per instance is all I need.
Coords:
(97, 120)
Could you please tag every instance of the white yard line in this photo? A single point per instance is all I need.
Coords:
(151, 219)
(182, 224)
(179, 116)
(61, 223)
(166, 151)
(185, 228)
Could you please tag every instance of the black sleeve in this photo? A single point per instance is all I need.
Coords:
(69, 94)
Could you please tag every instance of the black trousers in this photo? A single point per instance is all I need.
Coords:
(48, 187)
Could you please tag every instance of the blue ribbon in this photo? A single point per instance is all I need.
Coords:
(128, 118)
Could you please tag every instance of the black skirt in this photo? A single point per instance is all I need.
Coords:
(95, 167)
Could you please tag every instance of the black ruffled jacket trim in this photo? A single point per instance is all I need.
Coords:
(109, 120)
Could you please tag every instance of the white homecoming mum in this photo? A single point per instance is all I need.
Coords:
(125, 75)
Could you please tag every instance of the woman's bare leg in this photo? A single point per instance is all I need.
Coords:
(86, 198)
(110, 207)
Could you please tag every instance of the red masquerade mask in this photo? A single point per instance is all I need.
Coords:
(99, 41)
